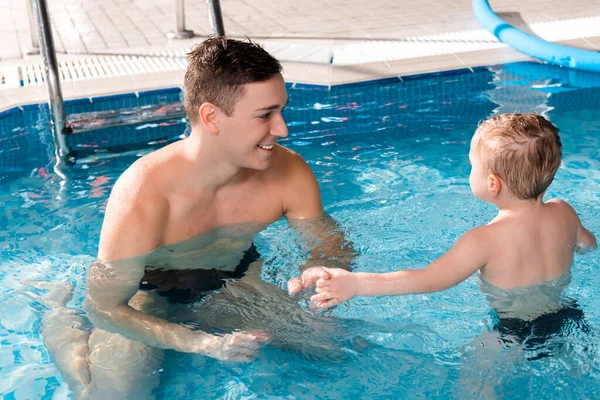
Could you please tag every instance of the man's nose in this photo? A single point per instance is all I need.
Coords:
(279, 127)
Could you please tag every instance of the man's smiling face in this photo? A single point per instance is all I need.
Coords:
(249, 135)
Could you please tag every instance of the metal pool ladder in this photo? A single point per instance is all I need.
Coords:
(64, 154)
(57, 110)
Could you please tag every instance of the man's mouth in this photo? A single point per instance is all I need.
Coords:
(266, 146)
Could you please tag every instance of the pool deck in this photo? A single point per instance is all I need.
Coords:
(118, 46)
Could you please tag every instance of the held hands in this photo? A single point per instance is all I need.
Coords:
(308, 279)
(333, 285)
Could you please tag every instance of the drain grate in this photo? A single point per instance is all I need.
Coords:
(94, 68)
(10, 77)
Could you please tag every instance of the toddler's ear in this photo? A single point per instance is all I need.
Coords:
(494, 184)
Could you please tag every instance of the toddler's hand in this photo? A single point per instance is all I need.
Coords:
(341, 285)
(308, 279)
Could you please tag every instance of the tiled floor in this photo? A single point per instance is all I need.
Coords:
(330, 41)
(103, 26)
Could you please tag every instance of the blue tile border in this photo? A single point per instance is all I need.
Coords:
(160, 91)
(10, 111)
(72, 102)
(122, 96)
(395, 79)
(378, 81)
(458, 71)
(289, 85)
(33, 106)
(309, 86)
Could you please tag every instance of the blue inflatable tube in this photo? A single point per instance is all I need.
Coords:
(532, 46)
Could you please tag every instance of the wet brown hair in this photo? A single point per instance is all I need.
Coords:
(524, 150)
(219, 68)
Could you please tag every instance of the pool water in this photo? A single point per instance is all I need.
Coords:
(392, 162)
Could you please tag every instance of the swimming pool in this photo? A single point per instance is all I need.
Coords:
(391, 159)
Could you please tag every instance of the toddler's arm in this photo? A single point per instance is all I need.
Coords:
(585, 240)
(468, 255)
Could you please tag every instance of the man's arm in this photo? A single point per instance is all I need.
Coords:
(132, 229)
(304, 212)
(467, 256)
(329, 247)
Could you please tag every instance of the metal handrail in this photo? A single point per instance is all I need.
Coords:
(180, 32)
(214, 15)
(35, 42)
(63, 152)
(216, 18)
(57, 110)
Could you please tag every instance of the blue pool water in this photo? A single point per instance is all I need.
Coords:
(392, 163)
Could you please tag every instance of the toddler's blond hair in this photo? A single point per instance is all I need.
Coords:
(524, 150)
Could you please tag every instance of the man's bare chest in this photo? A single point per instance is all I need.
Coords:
(193, 218)
(219, 248)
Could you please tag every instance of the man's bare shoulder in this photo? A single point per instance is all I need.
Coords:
(136, 211)
(148, 175)
(289, 163)
(144, 186)
(297, 184)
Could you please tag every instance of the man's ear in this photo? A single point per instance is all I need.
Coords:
(209, 117)
(494, 184)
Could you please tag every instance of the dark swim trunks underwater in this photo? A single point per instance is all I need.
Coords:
(534, 335)
(188, 286)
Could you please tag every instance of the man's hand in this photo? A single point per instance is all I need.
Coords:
(308, 279)
(339, 286)
(237, 346)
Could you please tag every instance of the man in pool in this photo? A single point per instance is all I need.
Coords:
(180, 222)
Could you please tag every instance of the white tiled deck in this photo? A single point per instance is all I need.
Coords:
(338, 41)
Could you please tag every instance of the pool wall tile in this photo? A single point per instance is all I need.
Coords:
(160, 91)
(26, 129)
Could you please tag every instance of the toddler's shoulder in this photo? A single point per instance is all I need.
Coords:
(561, 206)
(563, 211)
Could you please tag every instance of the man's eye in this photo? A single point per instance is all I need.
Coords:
(265, 116)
